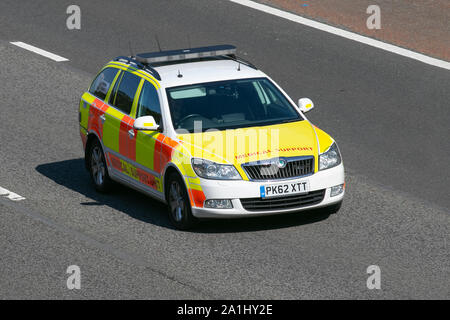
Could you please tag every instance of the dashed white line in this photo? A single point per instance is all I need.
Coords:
(345, 34)
(37, 50)
(10, 195)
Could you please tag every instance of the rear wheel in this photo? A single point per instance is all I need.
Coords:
(98, 169)
(180, 213)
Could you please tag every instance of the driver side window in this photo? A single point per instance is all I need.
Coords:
(149, 103)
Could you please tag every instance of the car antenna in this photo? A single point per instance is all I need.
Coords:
(131, 50)
(189, 47)
(239, 66)
(157, 41)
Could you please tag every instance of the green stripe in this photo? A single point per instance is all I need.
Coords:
(111, 129)
(145, 148)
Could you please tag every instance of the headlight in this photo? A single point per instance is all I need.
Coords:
(330, 158)
(211, 170)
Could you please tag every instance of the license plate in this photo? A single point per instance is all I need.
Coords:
(283, 189)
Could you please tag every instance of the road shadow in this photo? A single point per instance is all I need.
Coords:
(73, 175)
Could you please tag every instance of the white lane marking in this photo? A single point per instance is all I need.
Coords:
(44, 53)
(10, 195)
(345, 34)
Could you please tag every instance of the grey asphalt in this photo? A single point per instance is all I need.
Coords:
(388, 113)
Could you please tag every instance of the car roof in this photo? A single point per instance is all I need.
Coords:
(204, 71)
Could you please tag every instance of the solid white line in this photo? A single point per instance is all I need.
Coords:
(39, 51)
(345, 34)
(10, 195)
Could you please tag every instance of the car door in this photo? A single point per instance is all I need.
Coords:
(94, 121)
(118, 125)
(148, 144)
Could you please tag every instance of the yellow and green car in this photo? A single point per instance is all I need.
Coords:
(209, 134)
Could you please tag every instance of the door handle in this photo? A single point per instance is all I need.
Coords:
(131, 133)
(103, 118)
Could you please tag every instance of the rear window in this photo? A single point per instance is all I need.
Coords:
(123, 98)
(102, 83)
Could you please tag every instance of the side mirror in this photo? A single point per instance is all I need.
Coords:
(305, 104)
(146, 123)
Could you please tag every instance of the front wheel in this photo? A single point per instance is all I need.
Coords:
(180, 213)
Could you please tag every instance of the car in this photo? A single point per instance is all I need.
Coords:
(209, 134)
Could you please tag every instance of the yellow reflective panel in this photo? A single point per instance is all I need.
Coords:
(253, 143)
(111, 87)
(111, 128)
(133, 111)
(85, 103)
(145, 148)
(115, 113)
(244, 145)
(325, 140)
(88, 97)
(135, 71)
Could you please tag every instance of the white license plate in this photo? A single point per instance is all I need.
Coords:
(283, 189)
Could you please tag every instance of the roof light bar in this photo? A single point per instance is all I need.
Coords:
(186, 54)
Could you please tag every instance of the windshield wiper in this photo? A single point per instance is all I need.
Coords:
(290, 120)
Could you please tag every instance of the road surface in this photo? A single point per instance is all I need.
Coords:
(389, 114)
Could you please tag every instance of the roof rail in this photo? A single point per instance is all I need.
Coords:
(186, 54)
(139, 65)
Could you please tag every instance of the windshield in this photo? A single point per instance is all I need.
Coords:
(229, 104)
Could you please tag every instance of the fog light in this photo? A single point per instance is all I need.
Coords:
(219, 204)
(337, 190)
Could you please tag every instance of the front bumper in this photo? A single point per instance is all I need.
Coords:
(241, 189)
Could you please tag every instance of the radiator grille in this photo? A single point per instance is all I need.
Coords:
(285, 202)
(268, 170)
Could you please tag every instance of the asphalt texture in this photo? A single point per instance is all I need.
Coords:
(388, 113)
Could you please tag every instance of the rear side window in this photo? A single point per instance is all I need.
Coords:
(101, 84)
(149, 103)
(123, 94)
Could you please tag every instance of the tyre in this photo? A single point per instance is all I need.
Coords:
(180, 213)
(97, 168)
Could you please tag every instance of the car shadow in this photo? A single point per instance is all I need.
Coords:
(73, 175)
